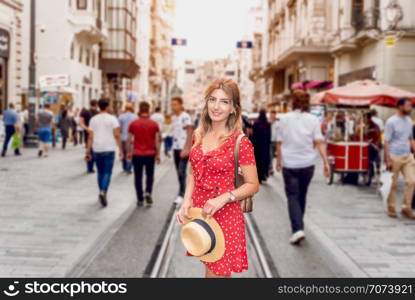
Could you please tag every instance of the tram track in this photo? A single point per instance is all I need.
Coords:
(162, 257)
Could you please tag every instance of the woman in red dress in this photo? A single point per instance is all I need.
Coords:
(210, 184)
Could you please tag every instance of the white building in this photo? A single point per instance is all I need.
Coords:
(68, 34)
(143, 48)
(13, 54)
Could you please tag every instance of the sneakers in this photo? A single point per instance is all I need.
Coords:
(408, 213)
(297, 237)
(40, 152)
(148, 199)
(178, 200)
(3, 154)
(392, 213)
(103, 198)
(140, 203)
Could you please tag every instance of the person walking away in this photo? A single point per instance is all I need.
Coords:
(103, 139)
(299, 135)
(86, 116)
(398, 157)
(64, 125)
(10, 120)
(158, 117)
(378, 121)
(373, 137)
(125, 120)
(261, 139)
(26, 120)
(182, 138)
(274, 131)
(146, 136)
(79, 131)
(167, 134)
(44, 121)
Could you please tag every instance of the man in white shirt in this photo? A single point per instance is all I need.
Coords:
(378, 121)
(298, 136)
(104, 138)
(158, 117)
(182, 140)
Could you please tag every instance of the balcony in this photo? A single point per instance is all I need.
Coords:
(88, 26)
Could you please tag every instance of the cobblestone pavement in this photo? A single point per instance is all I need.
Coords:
(50, 216)
(350, 225)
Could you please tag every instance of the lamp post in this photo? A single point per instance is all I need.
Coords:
(30, 140)
(393, 14)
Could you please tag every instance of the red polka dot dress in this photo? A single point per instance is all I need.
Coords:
(214, 175)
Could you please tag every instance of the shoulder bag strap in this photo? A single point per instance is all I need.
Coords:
(236, 157)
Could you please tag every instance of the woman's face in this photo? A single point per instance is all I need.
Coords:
(219, 106)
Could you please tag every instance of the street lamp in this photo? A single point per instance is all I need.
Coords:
(394, 14)
(31, 139)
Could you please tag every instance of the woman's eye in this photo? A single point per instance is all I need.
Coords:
(225, 102)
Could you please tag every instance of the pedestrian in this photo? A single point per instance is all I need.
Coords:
(125, 120)
(146, 136)
(299, 135)
(104, 137)
(398, 157)
(158, 116)
(64, 125)
(378, 121)
(182, 137)
(261, 139)
(26, 120)
(210, 186)
(79, 131)
(167, 134)
(11, 121)
(45, 119)
(373, 136)
(86, 116)
(326, 124)
(274, 131)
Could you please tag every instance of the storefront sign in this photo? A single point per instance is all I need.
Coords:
(54, 81)
(4, 43)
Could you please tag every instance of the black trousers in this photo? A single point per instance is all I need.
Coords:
(181, 168)
(296, 183)
(139, 163)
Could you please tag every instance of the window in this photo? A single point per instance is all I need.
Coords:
(82, 4)
(80, 54)
(357, 14)
(72, 50)
(87, 54)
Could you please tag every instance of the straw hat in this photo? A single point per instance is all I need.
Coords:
(202, 237)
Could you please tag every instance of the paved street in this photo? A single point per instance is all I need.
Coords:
(52, 225)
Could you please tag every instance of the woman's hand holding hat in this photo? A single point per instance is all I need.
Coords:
(183, 211)
(213, 205)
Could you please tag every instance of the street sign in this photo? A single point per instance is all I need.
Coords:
(178, 42)
(390, 40)
(244, 44)
(54, 80)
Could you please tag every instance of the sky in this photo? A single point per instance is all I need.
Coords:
(211, 27)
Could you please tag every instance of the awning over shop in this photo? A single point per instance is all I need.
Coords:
(362, 93)
(312, 84)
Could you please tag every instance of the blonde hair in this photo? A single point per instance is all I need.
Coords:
(234, 121)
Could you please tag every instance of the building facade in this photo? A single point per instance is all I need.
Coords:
(359, 49)
(83, 24)
(161, 66)
(298, 36)
(13, 50)
(118, 59)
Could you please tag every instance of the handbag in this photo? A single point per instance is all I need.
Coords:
(247, 203)
(16, 141)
